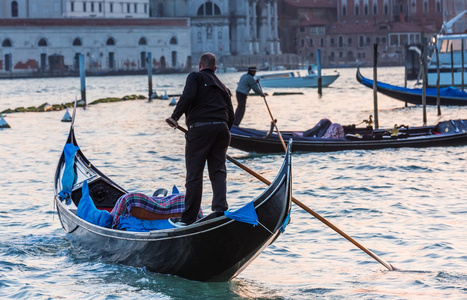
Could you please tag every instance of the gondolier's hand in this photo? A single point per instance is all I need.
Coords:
(172, 123)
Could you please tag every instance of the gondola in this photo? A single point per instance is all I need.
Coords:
(448, 95)
(215, 248)
(447, 133)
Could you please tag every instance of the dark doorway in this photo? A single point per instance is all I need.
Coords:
(174, 58)
(143, 59)
(43, 62)
(7, 62)
(111, 60)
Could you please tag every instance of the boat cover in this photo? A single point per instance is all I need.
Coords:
(171, 204)
(246, 214)
(130, 223)
(68, 178)
(87, 210)
(452, 126)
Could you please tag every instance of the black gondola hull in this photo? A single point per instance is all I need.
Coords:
(410, 95)
(260, 144)
(212, 250)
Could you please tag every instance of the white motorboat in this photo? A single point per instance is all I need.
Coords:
(295, 80)
(450, 68)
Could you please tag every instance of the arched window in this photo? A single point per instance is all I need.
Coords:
(357, 10)
(344, 10)
(361, 41)
(438, 6)
(110, 42)
(209, 9)
(42, 43)
(413, 8)
(6, 43)
(366, 10)
(375, 9)
(340, 41)
(77, 42)
(386, 9)
(425, 6)
(142, 41)
(349, 41)
(173, 41)
(14, 9)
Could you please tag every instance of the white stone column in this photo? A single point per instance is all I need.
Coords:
(277, 46)
(248, 34)
(255, 35)
(269, 40)
(269, 20)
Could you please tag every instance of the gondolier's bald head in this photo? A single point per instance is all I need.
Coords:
(207, 61)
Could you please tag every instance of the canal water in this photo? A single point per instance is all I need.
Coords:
(406, 205)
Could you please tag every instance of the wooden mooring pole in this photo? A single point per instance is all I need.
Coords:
(149, 67)
(438, 99)
(375, 87)
(320, 79)
(82, 75)
(424, 74)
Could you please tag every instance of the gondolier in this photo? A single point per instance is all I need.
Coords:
(207, 106)
(245, 85)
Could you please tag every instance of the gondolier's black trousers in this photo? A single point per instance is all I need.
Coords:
(205, 143)
(241, 106)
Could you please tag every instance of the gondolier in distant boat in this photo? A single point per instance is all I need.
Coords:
(245, 85)
(207, 106)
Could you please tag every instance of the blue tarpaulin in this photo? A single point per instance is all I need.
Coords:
(246, 214)
(130, 223)
(68, 178)
(87, 210)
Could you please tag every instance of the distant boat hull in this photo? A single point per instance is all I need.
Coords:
(259, 141)
(414, 96)
(294, 80)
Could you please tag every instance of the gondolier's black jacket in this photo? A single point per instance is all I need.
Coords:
(205, 99)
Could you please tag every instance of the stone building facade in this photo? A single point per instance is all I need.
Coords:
(46, 37)
(226, 27)
(74, 9)
(345, 30)
(115, 35)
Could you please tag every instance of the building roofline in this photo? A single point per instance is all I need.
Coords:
(12, 22)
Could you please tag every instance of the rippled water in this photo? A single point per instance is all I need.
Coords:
(406, 205)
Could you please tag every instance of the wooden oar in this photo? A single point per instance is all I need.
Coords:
(309, 210)
(316, 215)
(272, 118)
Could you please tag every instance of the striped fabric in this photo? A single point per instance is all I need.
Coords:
(246, 83)
(171, 204)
